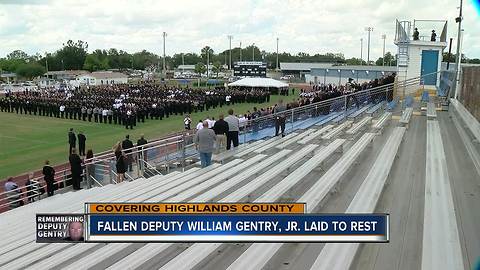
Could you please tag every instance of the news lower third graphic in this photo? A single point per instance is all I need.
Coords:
(55, 228)
(209, 222)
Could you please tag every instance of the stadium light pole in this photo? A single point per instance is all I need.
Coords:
(253, 52)
(164, 66)
(277, 54)
(183, 64)
(361, 52)
(369, 29)
(384, 37)
(46, 61)
(208, 59)
(240, 51)
(458, 57)
(230, 37)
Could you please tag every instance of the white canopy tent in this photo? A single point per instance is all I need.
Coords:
(259, 82)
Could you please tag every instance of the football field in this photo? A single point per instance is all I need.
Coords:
(26, 141)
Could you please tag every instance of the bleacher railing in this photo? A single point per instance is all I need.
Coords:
(178, 151)
(33, 191)
(154, 158)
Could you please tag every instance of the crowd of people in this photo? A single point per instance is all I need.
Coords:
(127, 104)
(210, 135)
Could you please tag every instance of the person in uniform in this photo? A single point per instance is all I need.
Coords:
(279, 118)
(433, 37)
(81, 143)
(49, 177)
(127, 146)
(415, 34)
(75, 169)
(187, 121)
(71, 140)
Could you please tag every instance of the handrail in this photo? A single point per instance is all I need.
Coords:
(129, 176)
(96, 181)
(407, 82)
(113, 179)
(36, 179)
(109, 152)
(135, 149)
(23, 194)
(151, 167)
(138, 153)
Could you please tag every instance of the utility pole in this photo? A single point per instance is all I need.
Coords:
(164, 66)
(361, 52)
(240, 51)
(458, 58)
(369, 29)
(277, 55)
(208, 59)
(253, 52)
(46, 61)
(183, 64)
(230, 37)
(384, 37)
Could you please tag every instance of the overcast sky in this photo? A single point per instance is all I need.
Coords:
(312, 26)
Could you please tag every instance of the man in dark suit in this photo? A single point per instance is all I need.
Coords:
(221, 130)
(72, 140)
(81, 143)
(75, 169)
(49, 177)
(127, 147)
(140, 143)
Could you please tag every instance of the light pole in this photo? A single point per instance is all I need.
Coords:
(369, 29)
(361, 52)
(240, 51)
(46, 61)
(208, 59)
(459, 54)
(384, 37)
(253, 52)
(164, 67)
(183, 63)
(277, 55)
(230, 51)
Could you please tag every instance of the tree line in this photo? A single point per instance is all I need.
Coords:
(74, 56)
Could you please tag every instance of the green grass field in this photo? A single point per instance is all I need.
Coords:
(26, 141)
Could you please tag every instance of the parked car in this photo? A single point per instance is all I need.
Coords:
(287, 77)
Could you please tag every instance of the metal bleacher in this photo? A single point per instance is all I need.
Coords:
(421, 176)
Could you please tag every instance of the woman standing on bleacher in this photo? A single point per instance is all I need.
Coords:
(121, 163)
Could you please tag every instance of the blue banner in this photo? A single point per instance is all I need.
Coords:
(273, 228)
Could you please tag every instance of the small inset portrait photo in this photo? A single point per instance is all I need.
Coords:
(75, 232)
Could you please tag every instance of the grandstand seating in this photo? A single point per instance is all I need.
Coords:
(439, 211)
(304, 166)
(431, 111)
(359, 125)
(392, 104)
(296, 138)
(380, 123)
(359, 112)
(336, 131)
(314, 135)
(406, 115)
(340, 256)
(409, 101)
(425, 97)
(375, 108)
(471, 123)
